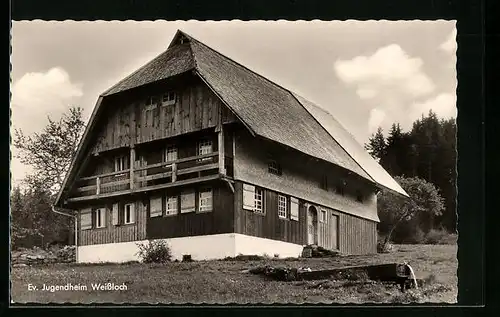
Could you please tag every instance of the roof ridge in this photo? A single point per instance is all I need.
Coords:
(235, 62)
(144, 66)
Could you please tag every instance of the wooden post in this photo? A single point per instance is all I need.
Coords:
(174, 172)
(222, 167)
(132, 163)
(98, 185)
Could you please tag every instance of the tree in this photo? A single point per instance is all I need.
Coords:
(376, 145)
(50, 152)
(394, 209)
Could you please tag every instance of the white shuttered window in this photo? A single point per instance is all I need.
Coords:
(282, 206)
(205, 200)
(100, 217)
(129, 214)
(171, 208)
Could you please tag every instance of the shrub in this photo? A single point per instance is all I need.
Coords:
(417, 236)
(155, 251)
(440, 236)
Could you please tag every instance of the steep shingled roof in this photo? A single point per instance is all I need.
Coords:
(349, 143)
(173, 61)
(266, 108)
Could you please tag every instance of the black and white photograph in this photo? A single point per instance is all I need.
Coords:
(244, 162)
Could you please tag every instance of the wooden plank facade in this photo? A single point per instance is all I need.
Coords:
(111, 233)
(145, 116)
(218, 220)
(340, 231)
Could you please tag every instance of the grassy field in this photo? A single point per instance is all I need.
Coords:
(219, 282)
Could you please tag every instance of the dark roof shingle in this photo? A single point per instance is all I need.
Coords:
(174, 61)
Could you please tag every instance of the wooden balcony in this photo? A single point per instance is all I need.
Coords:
(180, 172)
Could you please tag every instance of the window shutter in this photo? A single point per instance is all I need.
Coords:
(294, 208)
(114, 215)
(86, 219)
(94, 221)
(132, 212)
(188, 201)
(155, 208)
(248, 197)
(104, 212)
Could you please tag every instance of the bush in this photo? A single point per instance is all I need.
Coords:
(440, 236)
(155, 251)
(417, 236)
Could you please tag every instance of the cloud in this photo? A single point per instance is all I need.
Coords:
(377, 116)
(450, 45)
(38, 94)
(390, 71)
(444, 105)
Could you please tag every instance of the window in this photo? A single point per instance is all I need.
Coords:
(121, 163)
(100, 218)
(294, 208)
(253, 198)
(259, 201)
(170, 154)
(324, 182)
(204, 147)
(151, 103)
(128, 214)
(359, 196)
(171, 205)
(273, 167)
(282, 206)
(205, 200)
(155, 207)
(187, 201)
(168, 98)
(86, 219)
(322, 215)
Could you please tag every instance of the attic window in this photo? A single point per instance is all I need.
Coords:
(274, 167)
(168, 98)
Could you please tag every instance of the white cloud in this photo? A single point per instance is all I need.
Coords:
(390, 71)
(377, 116)
(366, 93)
(36, 95)
(450, 45)
(444, 105)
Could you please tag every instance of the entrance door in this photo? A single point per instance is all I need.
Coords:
(312, 225)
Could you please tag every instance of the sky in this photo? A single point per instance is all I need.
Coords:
(365, 73)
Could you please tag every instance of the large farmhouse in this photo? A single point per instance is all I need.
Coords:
(199, 150)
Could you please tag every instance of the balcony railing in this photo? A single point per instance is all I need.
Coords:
(164, 174)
